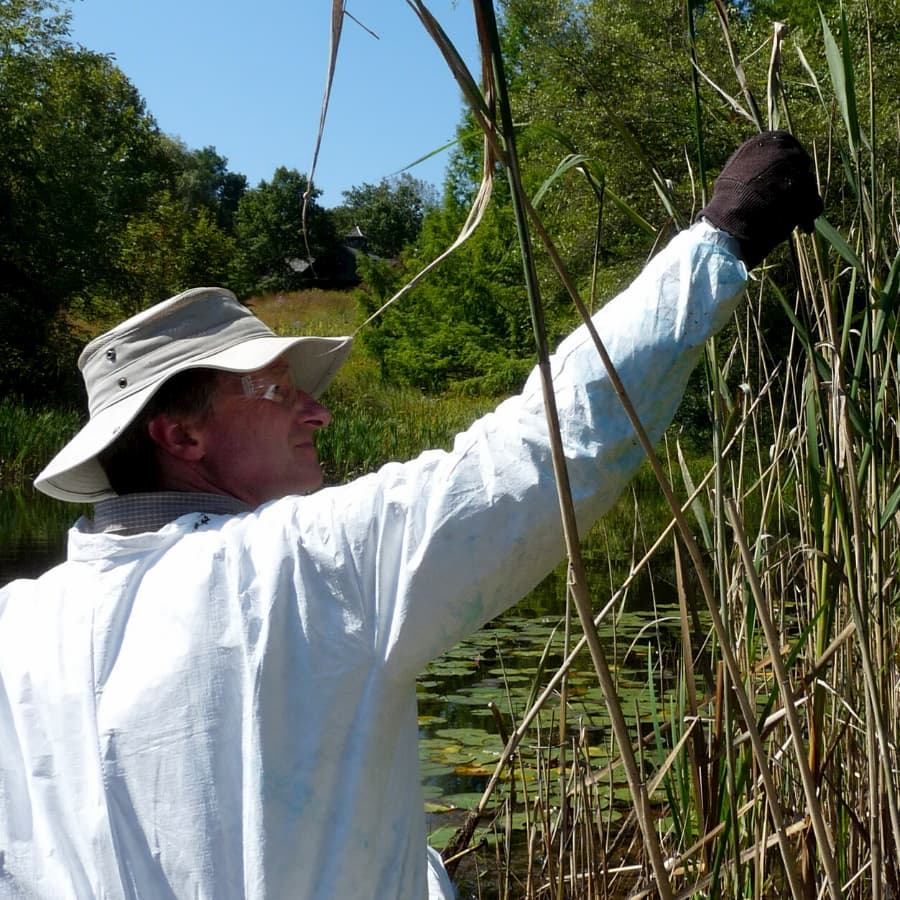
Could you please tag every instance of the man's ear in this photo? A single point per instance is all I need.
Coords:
(176, 437)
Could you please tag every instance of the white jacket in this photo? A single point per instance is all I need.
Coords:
(225, 708)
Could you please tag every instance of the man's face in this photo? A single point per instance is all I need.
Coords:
(258, 437)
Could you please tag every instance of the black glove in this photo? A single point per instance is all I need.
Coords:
(766, 189)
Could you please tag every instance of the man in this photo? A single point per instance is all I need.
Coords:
(213, 697)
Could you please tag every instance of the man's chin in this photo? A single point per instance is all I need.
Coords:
(312, 483)
(298, 487)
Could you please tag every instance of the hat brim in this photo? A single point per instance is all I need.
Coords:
(75, 475)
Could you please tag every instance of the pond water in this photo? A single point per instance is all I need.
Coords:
(33, 531)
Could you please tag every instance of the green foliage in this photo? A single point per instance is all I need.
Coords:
(274, 248)
(31, 27)
(466, 327)
(389, 213)
(29, 436)
(205, 181)
(587, 70)
(171, 248)
(78, 155)
(373, 424)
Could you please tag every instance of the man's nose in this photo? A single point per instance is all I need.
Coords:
(311, 412)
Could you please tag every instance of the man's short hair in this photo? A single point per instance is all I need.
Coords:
(131, 462)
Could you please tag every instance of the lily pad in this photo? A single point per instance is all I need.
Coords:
(463, 801)
(440, 837)
(474, 769)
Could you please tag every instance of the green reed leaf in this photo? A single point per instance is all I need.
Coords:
(827, 230)
(890, 510)
(842, 80)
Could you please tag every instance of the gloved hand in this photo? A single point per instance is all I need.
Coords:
(766, 189)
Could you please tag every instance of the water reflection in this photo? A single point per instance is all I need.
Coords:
(33, 530)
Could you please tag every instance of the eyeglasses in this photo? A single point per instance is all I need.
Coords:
(278, 389)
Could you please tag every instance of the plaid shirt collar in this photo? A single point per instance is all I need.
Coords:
(138, 513)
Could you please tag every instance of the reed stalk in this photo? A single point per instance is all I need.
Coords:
(823, 837)
(29, 437)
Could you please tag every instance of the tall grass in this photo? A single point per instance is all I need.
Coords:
(767, 766)
(29, 437)
(383, 424)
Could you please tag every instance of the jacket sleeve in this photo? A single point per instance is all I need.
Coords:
(434, 548)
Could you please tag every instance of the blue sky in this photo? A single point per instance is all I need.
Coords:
(247, 78)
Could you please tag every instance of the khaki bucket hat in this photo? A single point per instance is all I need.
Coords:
(123, 369)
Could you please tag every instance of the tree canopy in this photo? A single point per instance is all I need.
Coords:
(389, 213)
(277, 246)
(79, 155)
(102, 214)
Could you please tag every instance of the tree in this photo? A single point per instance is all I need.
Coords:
(169, 249)
(467, 325)
(78, 155)
(205, 181)
(389, 213)
(274, 248)
(32, 27)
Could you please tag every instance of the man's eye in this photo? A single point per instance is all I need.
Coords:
(281, 391)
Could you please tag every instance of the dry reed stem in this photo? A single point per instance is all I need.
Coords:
(823, 836)
(337, 24)
(512, 744)
(820, 563)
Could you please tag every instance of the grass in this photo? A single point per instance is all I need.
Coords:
(29, 437)
(326, 313)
